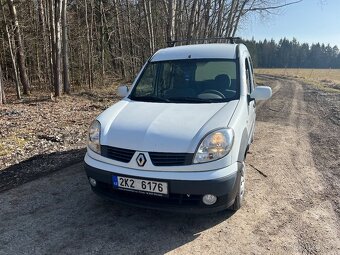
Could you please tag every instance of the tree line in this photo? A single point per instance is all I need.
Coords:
(291, 54)
(61, 45)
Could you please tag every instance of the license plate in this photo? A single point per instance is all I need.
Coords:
(139, 185)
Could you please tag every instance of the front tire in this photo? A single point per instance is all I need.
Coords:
(240, 191)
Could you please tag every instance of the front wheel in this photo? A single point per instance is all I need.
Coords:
(240, 192)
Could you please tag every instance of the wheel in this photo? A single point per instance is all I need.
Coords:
(240, 192)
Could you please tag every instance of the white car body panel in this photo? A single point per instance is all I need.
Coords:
(197, 51)
(161, 127)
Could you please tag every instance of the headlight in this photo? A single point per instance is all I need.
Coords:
(94, 136)
(215, 145)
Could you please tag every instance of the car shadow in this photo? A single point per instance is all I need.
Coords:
(59, 214)
(145, 231)
(38, 166)
(132, 230)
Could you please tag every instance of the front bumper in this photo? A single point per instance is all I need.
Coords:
(185, 195)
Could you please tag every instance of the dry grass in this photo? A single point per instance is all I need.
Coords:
(41, 125)
(326, 79)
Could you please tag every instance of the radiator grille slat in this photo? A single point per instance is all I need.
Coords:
(119, 154)
(170, 158)
(157, 158)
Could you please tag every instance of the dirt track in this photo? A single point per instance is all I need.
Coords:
(292, 200)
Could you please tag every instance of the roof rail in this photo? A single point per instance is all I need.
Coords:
(227, 39)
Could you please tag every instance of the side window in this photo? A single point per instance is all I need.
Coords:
(249, 77)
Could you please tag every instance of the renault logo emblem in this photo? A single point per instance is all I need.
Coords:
(141, 160)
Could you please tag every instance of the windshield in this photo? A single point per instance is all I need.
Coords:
(188, 81)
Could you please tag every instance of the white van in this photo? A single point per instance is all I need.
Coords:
(179, 137)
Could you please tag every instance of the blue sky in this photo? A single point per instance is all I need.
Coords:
(308, 21)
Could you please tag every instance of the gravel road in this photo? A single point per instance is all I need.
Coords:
(292, 199)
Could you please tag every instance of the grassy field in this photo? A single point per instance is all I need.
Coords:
(327, 79)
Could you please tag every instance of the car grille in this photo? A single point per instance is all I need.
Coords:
(170, 159)
(157, 158)
(119, 154)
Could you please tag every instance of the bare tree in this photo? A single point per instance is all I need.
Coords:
(149, 23)
(42, 25)
(102, 41)
(10, 48)
(89, 47)
(131, 39)
(55, 30)
(2, 91)
(75, 43)
(66, 80)
(119, 35)
(191, 20)
(171, 21)
(20, 50)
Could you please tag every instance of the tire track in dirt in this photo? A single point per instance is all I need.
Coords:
(325, 139)
(300, 186)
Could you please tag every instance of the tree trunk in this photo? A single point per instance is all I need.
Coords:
(42, 22)
(14, 64)
(149, 23)
(178, 19)
(57, 68)
(20, 50)
(171, 21)
(206, 18)
(110, 44)
(120, 39)
(91, 41)
(131, 39)
(102, 41)
(152, 38)
(51, 37)
(240, 13)
(65, 49)
(89, 68)
(230, 17)
(3, 61)
(82, 77)
(55, 20)
(191, 21)
(219, 18)
(2, 91)
(36, 64)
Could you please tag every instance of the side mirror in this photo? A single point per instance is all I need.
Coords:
(123, 91)
(261, 93)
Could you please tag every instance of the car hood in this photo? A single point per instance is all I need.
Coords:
(162, 127)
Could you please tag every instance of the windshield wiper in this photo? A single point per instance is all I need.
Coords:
(190, 99)
(150, 99)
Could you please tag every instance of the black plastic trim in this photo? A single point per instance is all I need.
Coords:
(224, 188)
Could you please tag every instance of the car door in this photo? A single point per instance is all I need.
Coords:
(251, 103)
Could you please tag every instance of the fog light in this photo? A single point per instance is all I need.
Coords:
(209, 199)
(92, 182)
